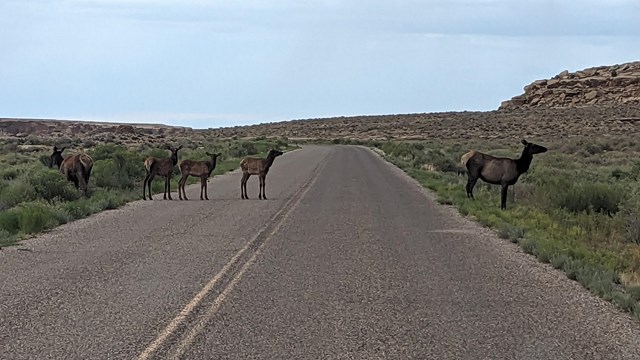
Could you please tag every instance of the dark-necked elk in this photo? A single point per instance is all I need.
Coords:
(76, 168)
(201, 169)
(499, 171)
(256, 166)
(162, 167)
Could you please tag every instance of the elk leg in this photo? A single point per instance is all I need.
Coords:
(169, 187)
(144, 187)
(503, 197)
(74, 180)
(81, 184)
(201, 188)
(246, 194)
(470, 184)
(184, 191)
(181, 183)
(264, 188)
(206, 190)
(243, 185)
(149, 186)
(164, 192)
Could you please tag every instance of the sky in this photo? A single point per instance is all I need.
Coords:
(219, 63)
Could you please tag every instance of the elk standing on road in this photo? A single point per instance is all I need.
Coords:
(162, 167)
(201, 169)
(76, 168)
(499, 171)
(256, 166)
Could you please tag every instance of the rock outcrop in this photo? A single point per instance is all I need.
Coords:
(603, 85)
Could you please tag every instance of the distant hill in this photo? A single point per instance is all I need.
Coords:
(602, 101)
(602, 85)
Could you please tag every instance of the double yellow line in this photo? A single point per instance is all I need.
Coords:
(257, 243)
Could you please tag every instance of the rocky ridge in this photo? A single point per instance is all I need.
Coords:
(602, 85)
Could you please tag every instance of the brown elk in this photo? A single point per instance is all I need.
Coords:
(76, 168)
(498, 171)
(256, 166)
(201, 169)
(162, 167)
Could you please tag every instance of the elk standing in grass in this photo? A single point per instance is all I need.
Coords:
(76, 168)
(256, 166)
(162, 167)
(499, 171)
(201, 169)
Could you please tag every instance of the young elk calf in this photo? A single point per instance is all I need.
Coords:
(162, 167)
(256, 166)
(76, 168)
(499, 171)
(201, 169)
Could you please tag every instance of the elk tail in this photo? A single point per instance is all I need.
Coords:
(466, 157)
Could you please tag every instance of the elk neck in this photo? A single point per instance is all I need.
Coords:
(212, 164)
(523, 163)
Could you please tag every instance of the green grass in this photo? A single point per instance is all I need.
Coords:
(35, 198)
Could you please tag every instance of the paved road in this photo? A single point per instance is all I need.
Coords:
(347, 259)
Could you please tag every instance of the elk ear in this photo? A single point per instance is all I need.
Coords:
(179, 147)
(61, 150)
(219, 154)
(524, 142)
(208, 154)
(55, 149)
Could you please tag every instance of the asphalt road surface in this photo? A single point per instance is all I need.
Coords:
(348, 259)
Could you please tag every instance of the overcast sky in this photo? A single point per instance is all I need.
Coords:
(232, 62)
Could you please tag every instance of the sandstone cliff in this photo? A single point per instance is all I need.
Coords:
(603, 85)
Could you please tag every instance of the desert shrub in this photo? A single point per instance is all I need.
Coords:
(89, 143)
(6, 237)
(9, 173)
(242, 149)
(117, 168)
(590, 197)
(9, 221)
(249, 148)
(510, 232)
(632, 227)
(33, 217)
(17, 191)
(635, 171)
(419, 160)
(619, 174)
(50, 184)
(400, 150)
(108, 200)
(108, 174)
(9, 147)
(282, 143)
(80, 208)
(594, 148)
(44, 159)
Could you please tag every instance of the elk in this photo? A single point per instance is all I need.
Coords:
(201, 169)
(256, 166)
(162, 167)
(76, 168)
(498, 171)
